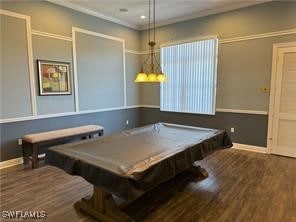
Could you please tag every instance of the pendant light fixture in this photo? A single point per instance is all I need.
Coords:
(151, 72)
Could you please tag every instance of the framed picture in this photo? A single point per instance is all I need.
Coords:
(54, 78)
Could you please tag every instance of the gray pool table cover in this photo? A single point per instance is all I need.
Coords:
(132, 162)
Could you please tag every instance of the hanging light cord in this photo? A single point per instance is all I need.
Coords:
(154, 38)
(151, 38)
(149, 26)
(154, 20)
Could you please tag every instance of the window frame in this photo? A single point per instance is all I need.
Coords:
(200, 38)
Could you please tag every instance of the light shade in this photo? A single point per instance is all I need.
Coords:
(161, 77)
(152, 77)
(141, 77)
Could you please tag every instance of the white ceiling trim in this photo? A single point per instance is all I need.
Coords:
(93, 13)
(206, 13)
(233, 6)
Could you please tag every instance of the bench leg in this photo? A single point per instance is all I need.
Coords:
(35, 161)
(25, 148)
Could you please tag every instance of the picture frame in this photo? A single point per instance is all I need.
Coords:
(54, 78)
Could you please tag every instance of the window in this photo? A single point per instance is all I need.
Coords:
(191, 69)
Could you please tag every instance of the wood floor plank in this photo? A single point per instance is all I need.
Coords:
(242, 186)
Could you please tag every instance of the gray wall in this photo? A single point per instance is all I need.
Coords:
(15, 84)
(99, 60)
(132, 89)
(100, 72)
(244, 67)
(113, 121)
(149, 92)
(45, 48)
(52, 18)
(249, 129)
(99, 64)
(262, 18)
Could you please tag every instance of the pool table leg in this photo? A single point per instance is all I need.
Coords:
(102, 206)
(198, 171)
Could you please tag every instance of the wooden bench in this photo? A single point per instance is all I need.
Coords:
(31, 142)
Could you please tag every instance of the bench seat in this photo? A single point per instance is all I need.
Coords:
(57, 134)
(32, 141)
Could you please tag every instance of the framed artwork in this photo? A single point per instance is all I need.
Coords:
(54, 78)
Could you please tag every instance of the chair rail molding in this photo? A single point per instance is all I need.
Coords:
(51, 35)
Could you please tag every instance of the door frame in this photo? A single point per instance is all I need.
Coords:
(275, 59)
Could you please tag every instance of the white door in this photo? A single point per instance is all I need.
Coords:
(283, 133)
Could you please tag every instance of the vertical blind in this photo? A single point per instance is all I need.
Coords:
(191, 69)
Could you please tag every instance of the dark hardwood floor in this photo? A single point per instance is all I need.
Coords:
(242, 186)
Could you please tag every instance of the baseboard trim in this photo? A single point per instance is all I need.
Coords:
(16, 161)
(258, 149)
(11, 162)
(283, 152)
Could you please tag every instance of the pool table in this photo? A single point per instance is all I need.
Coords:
(132, 162)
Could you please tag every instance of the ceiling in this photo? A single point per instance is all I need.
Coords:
(167, 11)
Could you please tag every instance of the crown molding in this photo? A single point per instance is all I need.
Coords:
(204, 13)
(70, 5)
